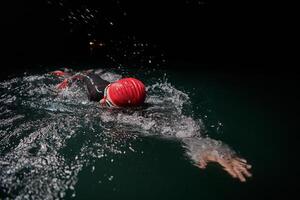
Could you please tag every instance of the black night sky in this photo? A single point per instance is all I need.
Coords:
(202, 32)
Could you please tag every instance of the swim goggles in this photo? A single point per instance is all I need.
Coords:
(105, 100)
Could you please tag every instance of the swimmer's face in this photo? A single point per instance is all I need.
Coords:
(107, 101)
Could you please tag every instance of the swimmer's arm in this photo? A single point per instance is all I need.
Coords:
(69, 78)
(67, 81)
(206, 150)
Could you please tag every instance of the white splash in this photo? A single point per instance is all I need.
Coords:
(39, 124)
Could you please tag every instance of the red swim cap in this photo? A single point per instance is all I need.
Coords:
(127, 92)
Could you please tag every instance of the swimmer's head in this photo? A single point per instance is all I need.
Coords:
(125, 92)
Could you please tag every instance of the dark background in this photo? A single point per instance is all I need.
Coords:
(204, 32)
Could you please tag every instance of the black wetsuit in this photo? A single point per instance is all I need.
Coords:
(95, 86)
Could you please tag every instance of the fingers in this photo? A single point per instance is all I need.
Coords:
(245, 172)
(242, 163)
(202, 163)
(230, 171)
(227, 167)
(241, 160)
(241, 168)
(239, 174)
(235, 167)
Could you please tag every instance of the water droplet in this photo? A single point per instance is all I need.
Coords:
(110, 178)
(131, 149)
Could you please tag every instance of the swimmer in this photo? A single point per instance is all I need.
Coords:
(126, 92)
(130, 92)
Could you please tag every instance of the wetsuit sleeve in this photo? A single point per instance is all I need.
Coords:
(94, 83)
(95, 86)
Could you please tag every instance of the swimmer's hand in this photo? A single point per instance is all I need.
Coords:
(235, 166)
(63, 85)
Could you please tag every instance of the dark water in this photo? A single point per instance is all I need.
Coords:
(63, 146)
